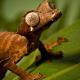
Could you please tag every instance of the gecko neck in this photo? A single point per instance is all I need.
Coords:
(33, 39)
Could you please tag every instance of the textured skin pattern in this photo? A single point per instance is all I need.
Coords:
(12, 45)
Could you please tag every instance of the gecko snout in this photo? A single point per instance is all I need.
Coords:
(56, 14)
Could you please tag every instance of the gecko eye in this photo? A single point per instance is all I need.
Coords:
(32, 19)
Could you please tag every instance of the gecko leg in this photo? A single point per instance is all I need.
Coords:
(23, 74)
(46, 51)
(56, 43)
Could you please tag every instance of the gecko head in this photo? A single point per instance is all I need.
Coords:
(40, 18)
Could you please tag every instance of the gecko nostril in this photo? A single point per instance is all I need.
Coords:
(56, 14)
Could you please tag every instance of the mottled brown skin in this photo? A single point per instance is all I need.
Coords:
(13, 46)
